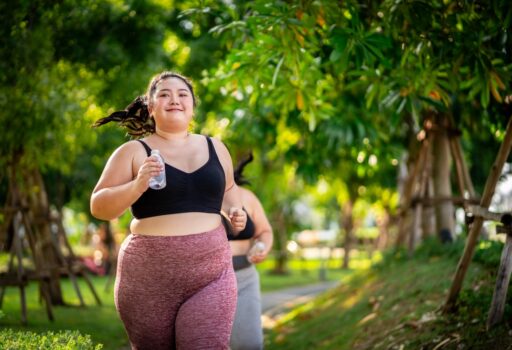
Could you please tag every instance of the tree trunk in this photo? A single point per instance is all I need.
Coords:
(421, 191)
(428, 222)
(409, 173)
(280, 241)
(348, 225)
(445, 212)
(33, 195)
(40, 208)
(383, 223)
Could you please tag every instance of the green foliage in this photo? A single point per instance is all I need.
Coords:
(334, 76)
(488, 254)
(63, 340)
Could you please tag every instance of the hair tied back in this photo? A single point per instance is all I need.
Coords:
(135, 118)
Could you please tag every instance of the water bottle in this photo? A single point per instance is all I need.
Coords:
(158, 182)
(257, 248)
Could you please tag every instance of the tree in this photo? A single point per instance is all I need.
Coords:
(54, 73)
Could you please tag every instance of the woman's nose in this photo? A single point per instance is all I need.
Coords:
(174, 100)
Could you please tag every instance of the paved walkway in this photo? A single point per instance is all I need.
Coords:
(275, 304)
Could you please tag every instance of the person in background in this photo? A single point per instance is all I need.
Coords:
(175, 287)
(251, 246)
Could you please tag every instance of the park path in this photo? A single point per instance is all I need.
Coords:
(275, 304)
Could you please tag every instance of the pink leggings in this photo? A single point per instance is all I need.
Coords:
(176, 292)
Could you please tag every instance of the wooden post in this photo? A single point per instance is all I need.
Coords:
(489, 189)
(502, 280)
(423, 160)
(407, 196)
(458, 160)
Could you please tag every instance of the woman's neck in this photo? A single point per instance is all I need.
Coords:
(172, 137)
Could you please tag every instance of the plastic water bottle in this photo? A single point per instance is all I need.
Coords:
(158, 182)
(257, 248)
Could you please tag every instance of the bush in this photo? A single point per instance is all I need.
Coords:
(64, 340)
(488, 253)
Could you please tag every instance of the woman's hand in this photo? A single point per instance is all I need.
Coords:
(257, 258)
(150, 168)
(258, 252)
(238, 218)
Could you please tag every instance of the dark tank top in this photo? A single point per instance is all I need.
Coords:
(246, 233)
(199, 191)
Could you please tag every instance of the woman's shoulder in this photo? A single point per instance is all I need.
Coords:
(129, 148)
(220, 147)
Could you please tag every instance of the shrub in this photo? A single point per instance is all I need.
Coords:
(488, 253)
(63, 340)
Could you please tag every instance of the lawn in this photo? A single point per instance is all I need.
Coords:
(396, 305)
(101, 322)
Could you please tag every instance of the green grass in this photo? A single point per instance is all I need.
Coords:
(395, 305)
(102, 322)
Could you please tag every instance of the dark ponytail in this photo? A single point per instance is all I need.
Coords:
(240, 180)
(135, 118)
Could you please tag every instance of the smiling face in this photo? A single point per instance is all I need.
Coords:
(172, 105)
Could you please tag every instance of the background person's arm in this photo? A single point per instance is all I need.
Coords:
(263, 229)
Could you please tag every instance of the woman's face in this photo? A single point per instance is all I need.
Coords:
(172, 105)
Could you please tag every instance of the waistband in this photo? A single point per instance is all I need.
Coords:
(240, 262)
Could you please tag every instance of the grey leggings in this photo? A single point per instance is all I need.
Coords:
(247, 332)
(176, 292)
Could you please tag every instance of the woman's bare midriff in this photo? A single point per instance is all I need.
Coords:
(175, 224)
(240, 247)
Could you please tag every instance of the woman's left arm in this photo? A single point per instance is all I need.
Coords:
(232, 201)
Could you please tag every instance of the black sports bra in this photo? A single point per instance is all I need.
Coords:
(199, 191)
(246, 233)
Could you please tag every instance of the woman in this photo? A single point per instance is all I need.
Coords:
(247, 331)
(175, 286)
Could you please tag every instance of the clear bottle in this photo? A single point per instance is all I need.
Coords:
(158, 182)
(257, 248)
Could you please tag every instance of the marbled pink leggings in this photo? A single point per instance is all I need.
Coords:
(176, 292)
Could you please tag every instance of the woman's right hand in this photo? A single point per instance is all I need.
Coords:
(150, 168)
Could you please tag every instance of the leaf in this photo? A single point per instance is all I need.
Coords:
(340, 40)
(401, 106)
(485, 96)
(276, 71)
(320, 20)
(498, 80)
(495, 92)
(390, 98)
(367, 318)
(379, 41)
(299, 100)
(335, 55)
